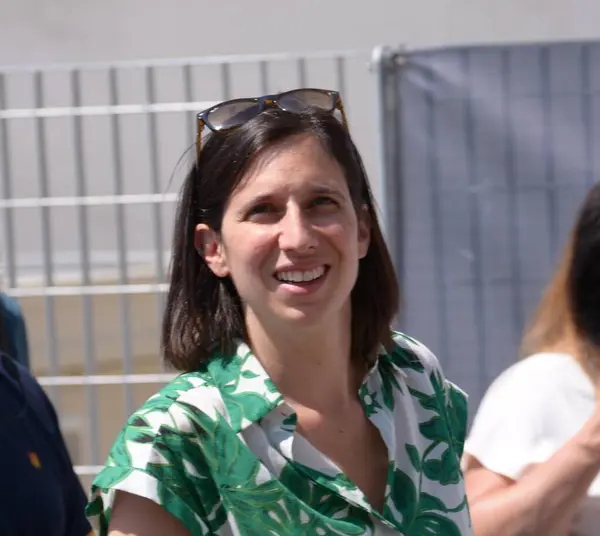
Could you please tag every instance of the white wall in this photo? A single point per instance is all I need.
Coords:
(41, 31)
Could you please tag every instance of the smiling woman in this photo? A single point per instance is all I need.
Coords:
(291, 252)
(298, 411)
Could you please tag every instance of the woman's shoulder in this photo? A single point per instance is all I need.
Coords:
(187, 396)
(160, 429)
(540, 372)
(412, 355)
(527, 413)
(10, 306)
(546, 360)
(20, 383)
(532, 390)
(160, 453)
(422, 370)
(428, 385)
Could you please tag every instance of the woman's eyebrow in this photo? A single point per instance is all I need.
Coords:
(326, 190)
(258, 199)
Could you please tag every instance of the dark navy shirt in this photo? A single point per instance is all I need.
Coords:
(39, 492)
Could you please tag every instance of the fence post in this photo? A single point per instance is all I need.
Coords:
(386, 62)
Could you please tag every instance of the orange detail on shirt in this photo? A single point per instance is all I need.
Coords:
(35, 460)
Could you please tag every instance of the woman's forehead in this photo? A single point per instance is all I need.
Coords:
(304, 165)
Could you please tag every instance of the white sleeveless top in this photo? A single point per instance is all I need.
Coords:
(527, 414)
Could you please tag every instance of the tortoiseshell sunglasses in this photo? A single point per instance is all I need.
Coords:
(234, 113)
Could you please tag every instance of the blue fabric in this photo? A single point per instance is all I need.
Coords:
(40, 492)
(14, 331)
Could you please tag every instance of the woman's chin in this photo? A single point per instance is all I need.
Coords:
(305, 316)
(308, 316)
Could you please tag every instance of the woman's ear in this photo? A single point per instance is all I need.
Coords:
(364, 231)
(208, 245)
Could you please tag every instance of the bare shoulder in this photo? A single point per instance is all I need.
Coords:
(133, 515)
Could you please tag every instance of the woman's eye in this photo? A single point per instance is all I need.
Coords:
(261, 210)
(323, 200)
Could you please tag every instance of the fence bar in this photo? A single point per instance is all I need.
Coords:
(79, 290)
(340, 75)
(475, 232)
(121, 242)
(87, 470)
(95, 200)
(89, 354)
(178, 62)
(157, 220)
(263, 70)
(301, 67)
(115, 109)
(188, 92)
(46, 233)
(518, 309)
(226, 80)
(10, 261)
(106, 379)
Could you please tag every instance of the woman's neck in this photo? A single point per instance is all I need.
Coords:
(311, 367)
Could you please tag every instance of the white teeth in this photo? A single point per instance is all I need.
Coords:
(300, 277)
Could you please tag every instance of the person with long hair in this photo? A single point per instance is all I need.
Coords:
(532, 457)
(298, 410)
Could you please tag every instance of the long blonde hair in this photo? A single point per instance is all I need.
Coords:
(551, 326)
(568, 314)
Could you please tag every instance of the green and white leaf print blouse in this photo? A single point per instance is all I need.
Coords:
(217, 449)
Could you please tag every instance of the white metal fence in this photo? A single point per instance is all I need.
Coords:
(88, 158)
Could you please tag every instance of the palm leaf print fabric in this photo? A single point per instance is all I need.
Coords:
(217, 449)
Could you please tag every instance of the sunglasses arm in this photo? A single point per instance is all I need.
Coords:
(199, 139)
(340, 107)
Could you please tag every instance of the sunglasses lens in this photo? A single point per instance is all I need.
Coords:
(233, 114)
(305, 99)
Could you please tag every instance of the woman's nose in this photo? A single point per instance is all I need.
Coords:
(296, 232)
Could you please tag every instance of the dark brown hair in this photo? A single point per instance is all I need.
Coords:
(567, 318)
(203, 313)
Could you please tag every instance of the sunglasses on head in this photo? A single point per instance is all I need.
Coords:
(234, 113)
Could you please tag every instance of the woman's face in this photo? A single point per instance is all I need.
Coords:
(290, 238)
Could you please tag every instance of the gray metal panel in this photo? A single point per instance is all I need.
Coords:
(496, 155)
